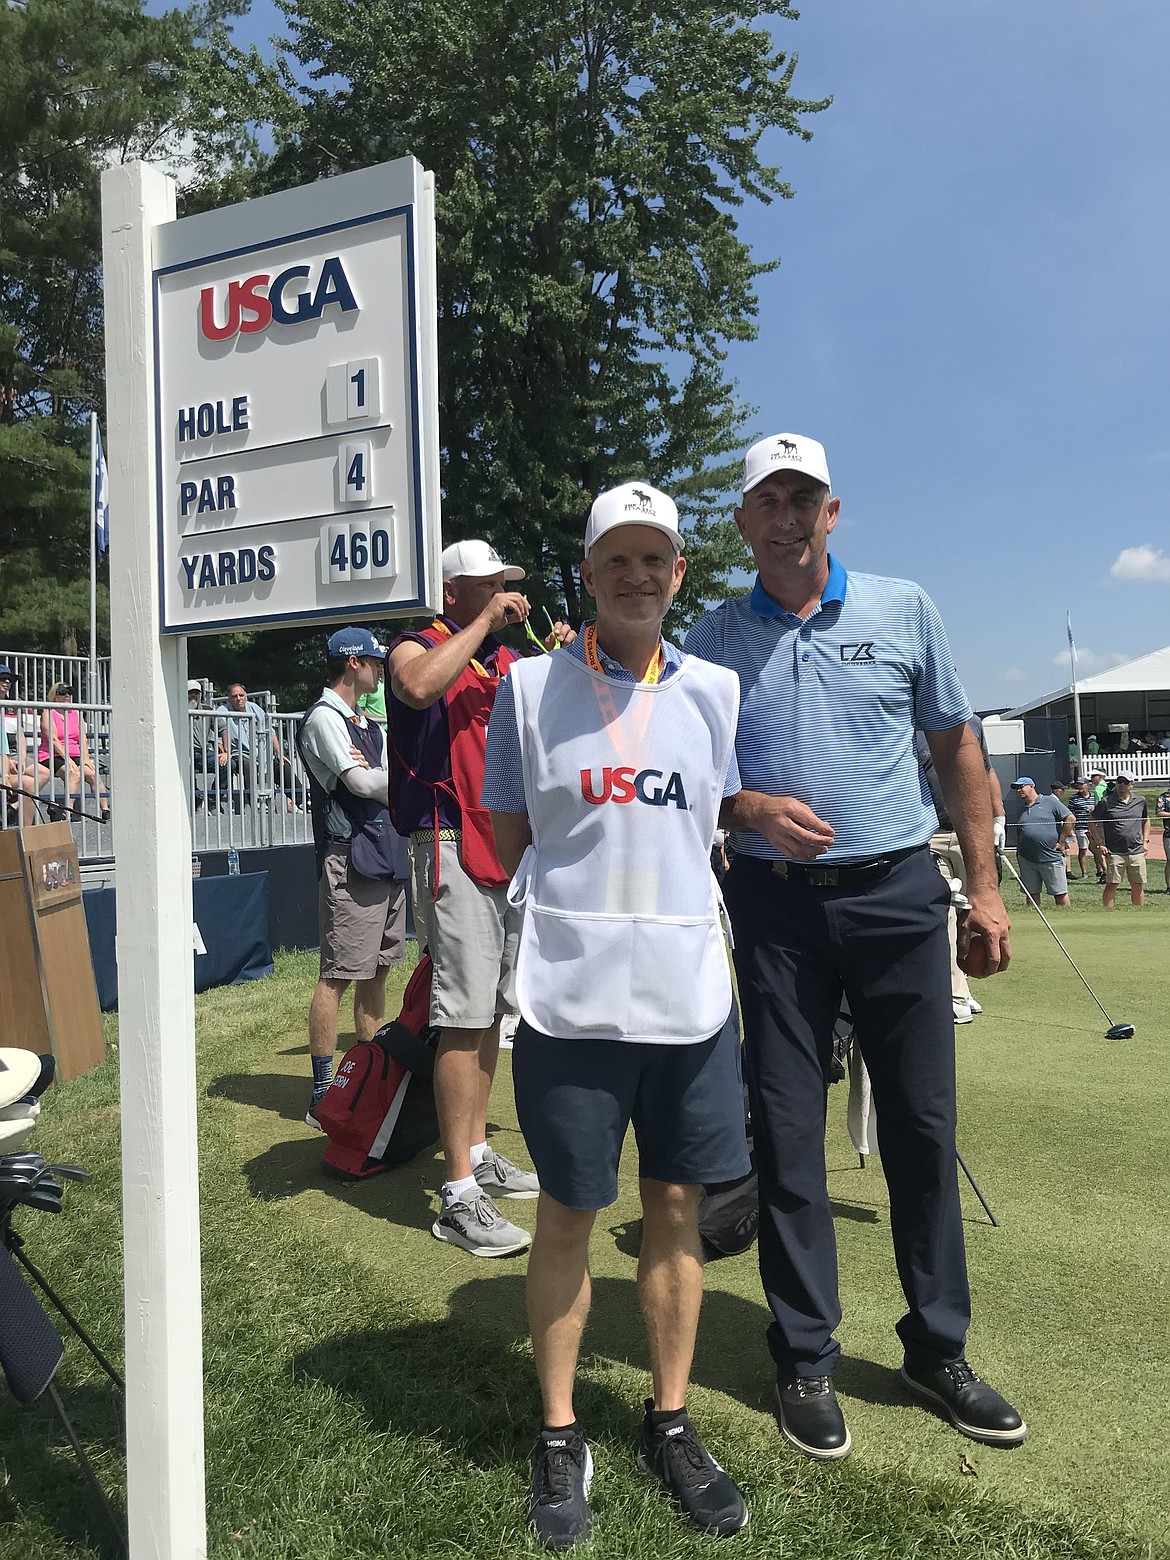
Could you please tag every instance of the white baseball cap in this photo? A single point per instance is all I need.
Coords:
(476, 561)
(785, 452)
(634, 503)
(19, 1070)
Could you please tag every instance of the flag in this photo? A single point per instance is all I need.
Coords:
(101, 502)
(1072, 649)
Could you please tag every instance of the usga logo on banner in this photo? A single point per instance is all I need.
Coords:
(254, 302)
(627, 785)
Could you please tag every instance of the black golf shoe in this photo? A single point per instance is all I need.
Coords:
(674, 1453)
(811, 1418)
(974, 1408)
(558, 1497)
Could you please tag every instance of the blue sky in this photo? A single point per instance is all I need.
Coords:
(972, 314)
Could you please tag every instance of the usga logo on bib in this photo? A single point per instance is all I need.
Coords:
(629, 785)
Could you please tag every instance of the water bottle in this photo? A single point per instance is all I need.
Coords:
(233, 861)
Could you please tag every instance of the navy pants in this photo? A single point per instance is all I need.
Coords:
(883, 943)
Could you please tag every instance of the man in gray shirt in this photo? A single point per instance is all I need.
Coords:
(1042, 828)
(1122, 820)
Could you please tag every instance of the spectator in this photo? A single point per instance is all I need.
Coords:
(443, 681)
(828, 898)
(21, 774)
(1163, 811)
(1042, 828)
(1121, 821)
(361, 861)
(64, 747)
(208, 775)
(1081, 804)
(1092, 746)
(603, 1041)
(247, 723)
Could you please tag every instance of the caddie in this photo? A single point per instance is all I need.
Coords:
(607, 763)
(443, 681)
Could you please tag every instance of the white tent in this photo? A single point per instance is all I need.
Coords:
(1146, 674)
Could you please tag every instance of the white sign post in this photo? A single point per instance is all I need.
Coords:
(272, 395)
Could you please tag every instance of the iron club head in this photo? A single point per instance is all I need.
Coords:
(1120, 1032)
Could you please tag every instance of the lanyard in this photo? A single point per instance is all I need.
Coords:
(480, 670)
(628, 752)
(653, 671)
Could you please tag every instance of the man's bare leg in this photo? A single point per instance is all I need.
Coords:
(369, 1004)
(323, 1012)
(670, 1285)
(459, 1091)
(558, 1293)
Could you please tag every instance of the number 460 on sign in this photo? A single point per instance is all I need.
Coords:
(360, 550)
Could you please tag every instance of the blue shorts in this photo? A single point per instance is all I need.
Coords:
(575, 1099)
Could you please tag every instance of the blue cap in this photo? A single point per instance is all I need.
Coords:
(1023, 780)
(354, 641)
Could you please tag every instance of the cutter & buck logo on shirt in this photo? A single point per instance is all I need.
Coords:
(625, 784)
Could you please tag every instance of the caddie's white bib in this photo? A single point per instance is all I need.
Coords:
(621, 937)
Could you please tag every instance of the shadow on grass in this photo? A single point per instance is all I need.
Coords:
(399, 1373)
(44, 1482)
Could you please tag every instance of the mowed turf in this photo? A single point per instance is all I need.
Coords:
(369, 1392)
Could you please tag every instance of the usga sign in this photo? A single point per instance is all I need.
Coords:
(255, 301)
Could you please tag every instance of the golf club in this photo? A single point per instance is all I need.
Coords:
(1115, 1031)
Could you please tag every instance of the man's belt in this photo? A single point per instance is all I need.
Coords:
(844, 876)
(425, 836)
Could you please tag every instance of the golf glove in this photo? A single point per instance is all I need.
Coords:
(999, 832)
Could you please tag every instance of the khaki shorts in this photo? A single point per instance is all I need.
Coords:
(1122, 866)
(362, 920)
(472, 934)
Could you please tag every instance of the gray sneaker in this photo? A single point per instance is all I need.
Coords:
(476, 1224)
(499, 1177)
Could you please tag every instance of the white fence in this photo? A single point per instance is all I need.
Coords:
(36, 674)
(1143, 766)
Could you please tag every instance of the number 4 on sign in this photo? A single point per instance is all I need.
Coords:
(355, 477)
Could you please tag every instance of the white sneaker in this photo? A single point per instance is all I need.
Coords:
(976, 1007)
(962, 1011)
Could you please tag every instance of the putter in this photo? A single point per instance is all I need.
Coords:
(1115, 1031)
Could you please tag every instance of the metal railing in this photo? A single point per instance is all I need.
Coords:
(36, 674)
(248, 785)
(57, 757)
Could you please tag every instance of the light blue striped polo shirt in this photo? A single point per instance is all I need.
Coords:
(828, 706)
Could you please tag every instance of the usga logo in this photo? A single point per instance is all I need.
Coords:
(253, 303)
(627, 785)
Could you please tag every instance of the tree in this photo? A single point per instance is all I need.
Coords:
(590, 158)
(84, 83)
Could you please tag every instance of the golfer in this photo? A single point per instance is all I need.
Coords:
(827, 898)
(606, 766)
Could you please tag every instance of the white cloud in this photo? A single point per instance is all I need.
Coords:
(1141, 563)
(1089, 661)
(1014, 674)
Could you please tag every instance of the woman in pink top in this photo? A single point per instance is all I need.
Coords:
(65, 746)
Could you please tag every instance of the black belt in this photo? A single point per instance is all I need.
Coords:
(848, 873)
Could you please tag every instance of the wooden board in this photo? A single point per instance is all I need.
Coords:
(52, 879)
(23, 1020)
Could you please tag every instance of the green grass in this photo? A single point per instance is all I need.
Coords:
(369, 1392)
